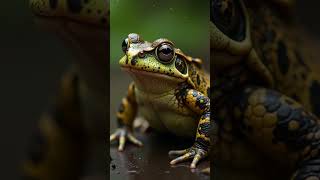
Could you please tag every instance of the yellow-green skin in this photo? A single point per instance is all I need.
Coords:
(171, 100)
(266, 94)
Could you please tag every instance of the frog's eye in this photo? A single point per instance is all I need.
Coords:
(165, 53)
(181, 65)
(125, 45)
(228, 16)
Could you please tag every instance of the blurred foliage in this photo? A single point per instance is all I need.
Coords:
(183, 22)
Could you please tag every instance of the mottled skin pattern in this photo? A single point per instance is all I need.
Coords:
(59, 148)
(265, 91)
(172, 94)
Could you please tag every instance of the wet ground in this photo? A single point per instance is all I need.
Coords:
(150, 161)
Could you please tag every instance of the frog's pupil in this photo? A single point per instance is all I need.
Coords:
(125, 45)
(181, 65)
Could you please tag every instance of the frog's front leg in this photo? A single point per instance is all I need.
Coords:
(281, 128)
(125, 116)
(200, 104)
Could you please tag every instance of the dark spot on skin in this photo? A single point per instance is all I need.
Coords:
(315, 97)
(283, 60)
(158, 67)
(53, 4)
(113, 167)
(294, 140)
(201, 102)
(204, 128)
(134, 61)
(75, 6)
(181, 94)
(283, 112)
(272, 101)
(37, 148)
(202, 143)
(198, 79)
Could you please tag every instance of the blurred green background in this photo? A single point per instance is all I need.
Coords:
(183, 22)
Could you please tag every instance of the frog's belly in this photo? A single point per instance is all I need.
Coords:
(164, 115)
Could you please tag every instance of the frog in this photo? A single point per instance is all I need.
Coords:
(170, 90)
(72, 127)
(266, 92)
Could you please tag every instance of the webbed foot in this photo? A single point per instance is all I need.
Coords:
(123, 134)
(194, 153)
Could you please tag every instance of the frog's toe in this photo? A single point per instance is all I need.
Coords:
(134, 140)
(182, 158)
(193, 152)
(123, 135)
(178, 152)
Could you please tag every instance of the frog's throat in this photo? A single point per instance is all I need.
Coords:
(152, 82)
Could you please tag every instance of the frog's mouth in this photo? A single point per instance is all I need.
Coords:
(153, 82)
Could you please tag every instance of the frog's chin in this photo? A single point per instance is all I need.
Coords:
(152, 82)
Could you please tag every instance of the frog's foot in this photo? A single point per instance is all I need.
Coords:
(196, 153)
(141, 124)
(123, 134)
(206, 171)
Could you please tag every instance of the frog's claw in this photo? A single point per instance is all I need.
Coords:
(123, 134)
(196, 153)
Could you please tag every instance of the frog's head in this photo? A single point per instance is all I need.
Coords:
(85, 11)
(155, 67)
